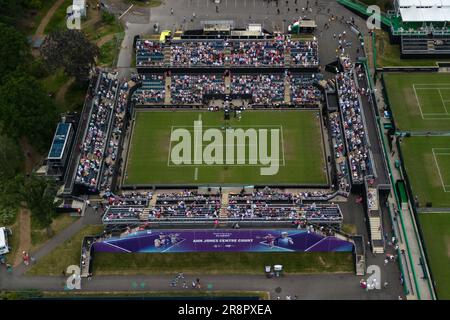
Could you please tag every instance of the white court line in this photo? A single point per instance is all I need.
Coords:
(418, 102)
(442, 100)
(196, 174)
(282, 145)
(439, 171)
(170, 147)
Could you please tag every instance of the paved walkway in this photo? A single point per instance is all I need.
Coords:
(41, 28)
(411, 243)
(25, 235)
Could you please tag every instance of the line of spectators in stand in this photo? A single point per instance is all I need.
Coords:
(241, 53)
(304, 53)
(94, 143)
(315, 213)
(339, 151)
(123, 213)
(153, 89)
(127, 207)
(353, 124)
(190, 89)
(149, 53)
(198, 53)
(187, 204)
(257, 53)
(111, 153)
(304, 88)
(264, 88)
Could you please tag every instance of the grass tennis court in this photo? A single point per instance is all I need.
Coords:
(419, 101)
(300, 155)
(427, 162)
(220, 262)
(436, 231)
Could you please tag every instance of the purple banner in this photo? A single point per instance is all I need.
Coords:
(271, 240)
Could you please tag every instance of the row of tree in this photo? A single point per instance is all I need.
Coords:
(26, 109)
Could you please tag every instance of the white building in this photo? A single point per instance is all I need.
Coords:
(423, 10)
(80, 6)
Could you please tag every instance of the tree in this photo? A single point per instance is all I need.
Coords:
(26, 110)
(72, 50)
(14, 50)
(39, 195)
(11, 158)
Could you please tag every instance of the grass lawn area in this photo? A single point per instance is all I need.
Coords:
(145, 3)
(66, 254)
(98, 30)
(58, 20)
(419, 101)
(219, 262)
(32, 18)
(108, 53)
(156, 294)
(74, 98)
(39, 236)
(301, 155)
(388, 55)
(436, 231)
(427, 162)
(53, 82)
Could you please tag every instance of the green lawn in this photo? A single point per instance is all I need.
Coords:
(58, 20)
(220, 262)
(108, 53)
(423, 156)
(388, 55)
(436, 231)
(301, 150)
(39, 236)
(419, 101)
(154, 294)
(66, 254)
(74, 98)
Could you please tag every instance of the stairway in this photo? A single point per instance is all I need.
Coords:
(227, 81)
(287, 91)
(376, 234)
(145, 214)
(167, 56)
(223, 210)
(168, 97)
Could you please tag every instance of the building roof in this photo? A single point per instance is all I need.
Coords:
(424, 10)
(59, 141)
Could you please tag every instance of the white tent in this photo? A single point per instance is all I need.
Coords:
(424, 10)
(80, 6)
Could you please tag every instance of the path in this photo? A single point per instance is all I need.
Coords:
(105, 39)
(41, 28)
(25, 234)
(63, 90)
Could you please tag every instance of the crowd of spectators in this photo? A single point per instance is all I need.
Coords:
(218, 53)
(264, 88)
(304, 89)
(127, 207)
(187, 204)
(197, 53)
(353, 124)
(339, 151)
(323, 213)
(153, 89)
(149, 53)
(190, 89)
(257, 53)
(112, 149)
(95, 140)
(304, 53)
